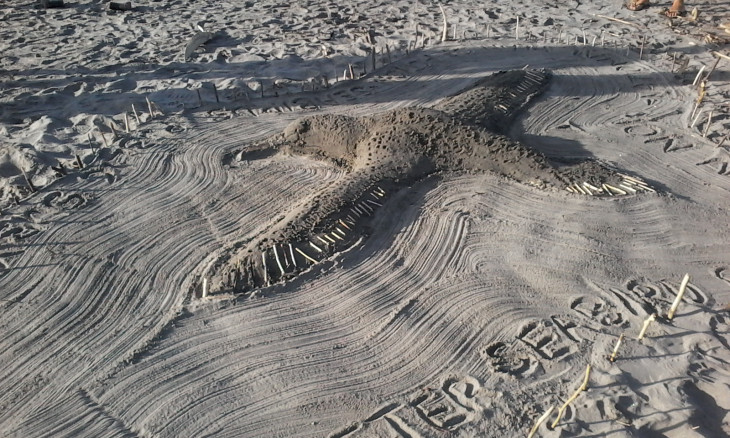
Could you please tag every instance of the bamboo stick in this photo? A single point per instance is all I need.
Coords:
(315, 247)
(291, 251)
(540, 420)
(645, 326)
(680, 294)
(205, 288)
(616, 20)
(306, 256)
(266, 274)
(615, 349)
(278, 262)
(707, 127)
(575, 395)
(697, 78)
(29, 182)
(136, 116)
(126, 123)
(149, 107)
(444, 34)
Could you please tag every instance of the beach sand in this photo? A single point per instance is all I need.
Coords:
(464, 303)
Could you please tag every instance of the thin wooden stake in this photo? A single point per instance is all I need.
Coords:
(149, 107)
(306, 256)
(136, 116)
(266, 274)
(680, 294)
(712, 70)
(114, 131)
(707, 127)
(641, 51)
(205, 288)
(644, 327)
(573, 397)
(352, 71)
(79, 162)
(126, 123)
(694, 122)
(103, 137)
(697, 78)
(444, 34)
(215, 90)
(517, 29)
(291, 251)
(276, 256)
(29, 182)
(615, 349)
(540, 420)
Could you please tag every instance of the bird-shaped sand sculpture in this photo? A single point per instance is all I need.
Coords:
(385, 152)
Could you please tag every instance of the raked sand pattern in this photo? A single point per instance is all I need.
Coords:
(471, 305)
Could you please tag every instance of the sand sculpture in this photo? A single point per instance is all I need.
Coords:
(383, 152)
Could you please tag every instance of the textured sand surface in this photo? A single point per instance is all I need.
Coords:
(470, 305)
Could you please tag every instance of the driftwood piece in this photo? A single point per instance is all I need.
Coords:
(198, 40)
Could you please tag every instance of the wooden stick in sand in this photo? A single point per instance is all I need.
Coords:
(612, 358)
(205, 288)
(575, 395)
(136, 116)
(215, 90)
(352, 71)
(103, 137)
(149, 107)
(540, 420)
(517, 29)
(114, 131)
(444, 34)
(278, 262)
(617, 20)
(643, 42)
(644, 327)
(680, 294)
(79, 162)
(712, 70)
(29, 182)
(707, 126)
(263, 259)
(697, 78)
(126, 123)
(313, 261)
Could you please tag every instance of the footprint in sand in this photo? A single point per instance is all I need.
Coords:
(386, 152)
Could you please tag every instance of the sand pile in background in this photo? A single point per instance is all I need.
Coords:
(469, 305)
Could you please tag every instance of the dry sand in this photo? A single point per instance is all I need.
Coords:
(469, 303)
